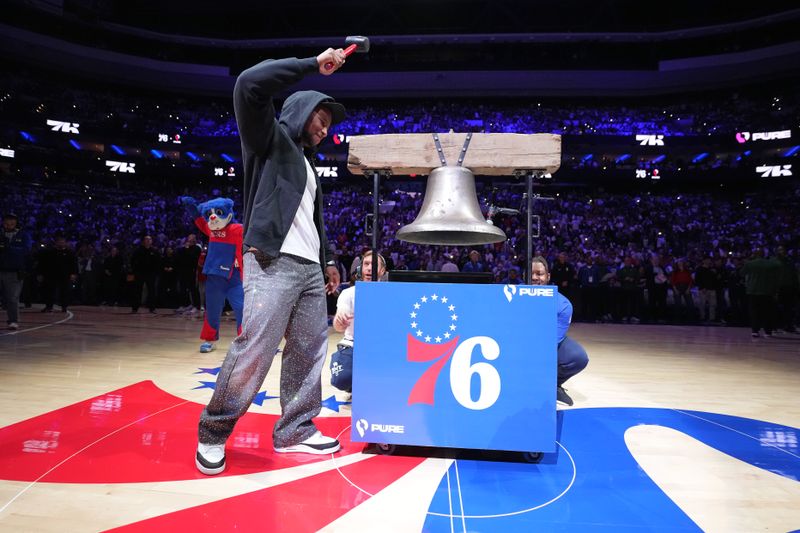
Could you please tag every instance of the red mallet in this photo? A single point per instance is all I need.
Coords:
(357, 43)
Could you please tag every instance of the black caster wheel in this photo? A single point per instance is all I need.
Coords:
(385, 449)
(532, 457)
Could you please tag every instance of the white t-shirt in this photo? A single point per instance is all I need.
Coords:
(346, 304)
(303, 238)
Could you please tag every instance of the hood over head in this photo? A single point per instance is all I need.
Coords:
(299, 106)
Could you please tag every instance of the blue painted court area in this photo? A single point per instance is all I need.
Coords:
(592, 482)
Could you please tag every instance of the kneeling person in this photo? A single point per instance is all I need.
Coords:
(572, 357)
(343, 322)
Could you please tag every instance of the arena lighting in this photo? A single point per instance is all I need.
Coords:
(700, 157)
(75, 144)
(117, 149)
(227, 158)
(27, 136)
(64, 127)
(192, 156)
(156, 153)
(586, 158)
(791, 151)
(623, 158)
(7, 152)
(659, 159)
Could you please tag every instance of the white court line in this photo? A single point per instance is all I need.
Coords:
(23, 491)
(737, 431)
(451, 516)
(522, 511)
(450, 501)
(460, 498)
(17, 332)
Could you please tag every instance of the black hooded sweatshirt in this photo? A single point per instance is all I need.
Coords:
(272, 155)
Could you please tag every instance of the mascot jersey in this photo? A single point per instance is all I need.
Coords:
(224, 247)
(223, 264)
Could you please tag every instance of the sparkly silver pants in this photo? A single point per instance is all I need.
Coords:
(285, 298)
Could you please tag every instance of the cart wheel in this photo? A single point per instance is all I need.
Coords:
(532, 457)
(385, 449)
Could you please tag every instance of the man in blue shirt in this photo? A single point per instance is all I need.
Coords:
(15, 245)
(474, 264)
(572, 357)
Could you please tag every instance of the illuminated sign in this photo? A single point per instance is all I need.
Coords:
(744, 136)
(230, 172)
(121, 166)
(328, 172)
(64, 127)
(642, 173)
(650, 140)
(340, 138)
(165, 138)
(774, 171)
(6, 152)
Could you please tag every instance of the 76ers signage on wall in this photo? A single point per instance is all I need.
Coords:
(455, 365)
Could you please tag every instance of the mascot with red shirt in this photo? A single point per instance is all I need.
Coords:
(223, 265)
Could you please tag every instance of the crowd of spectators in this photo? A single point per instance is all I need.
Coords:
(619, 256)
(25, 97)
(627, 256)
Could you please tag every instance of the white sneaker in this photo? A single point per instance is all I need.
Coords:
(317, 444)
(13, 325)
(210, 458)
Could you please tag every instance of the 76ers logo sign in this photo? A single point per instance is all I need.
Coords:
(433, 337)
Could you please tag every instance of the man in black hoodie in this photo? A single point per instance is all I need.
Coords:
(286, 252)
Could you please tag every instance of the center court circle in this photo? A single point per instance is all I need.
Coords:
(493, 489)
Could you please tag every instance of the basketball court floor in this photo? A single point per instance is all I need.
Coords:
(673, 429)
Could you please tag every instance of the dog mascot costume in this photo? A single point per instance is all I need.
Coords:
(223, 265)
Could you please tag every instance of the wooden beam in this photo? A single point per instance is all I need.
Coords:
(488, 154)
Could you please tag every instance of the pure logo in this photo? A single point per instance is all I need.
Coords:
(387, 428)
(744, 136)
(537, 291)
(510, 291)
(361, 427)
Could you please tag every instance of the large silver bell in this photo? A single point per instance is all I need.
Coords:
(450, 213)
